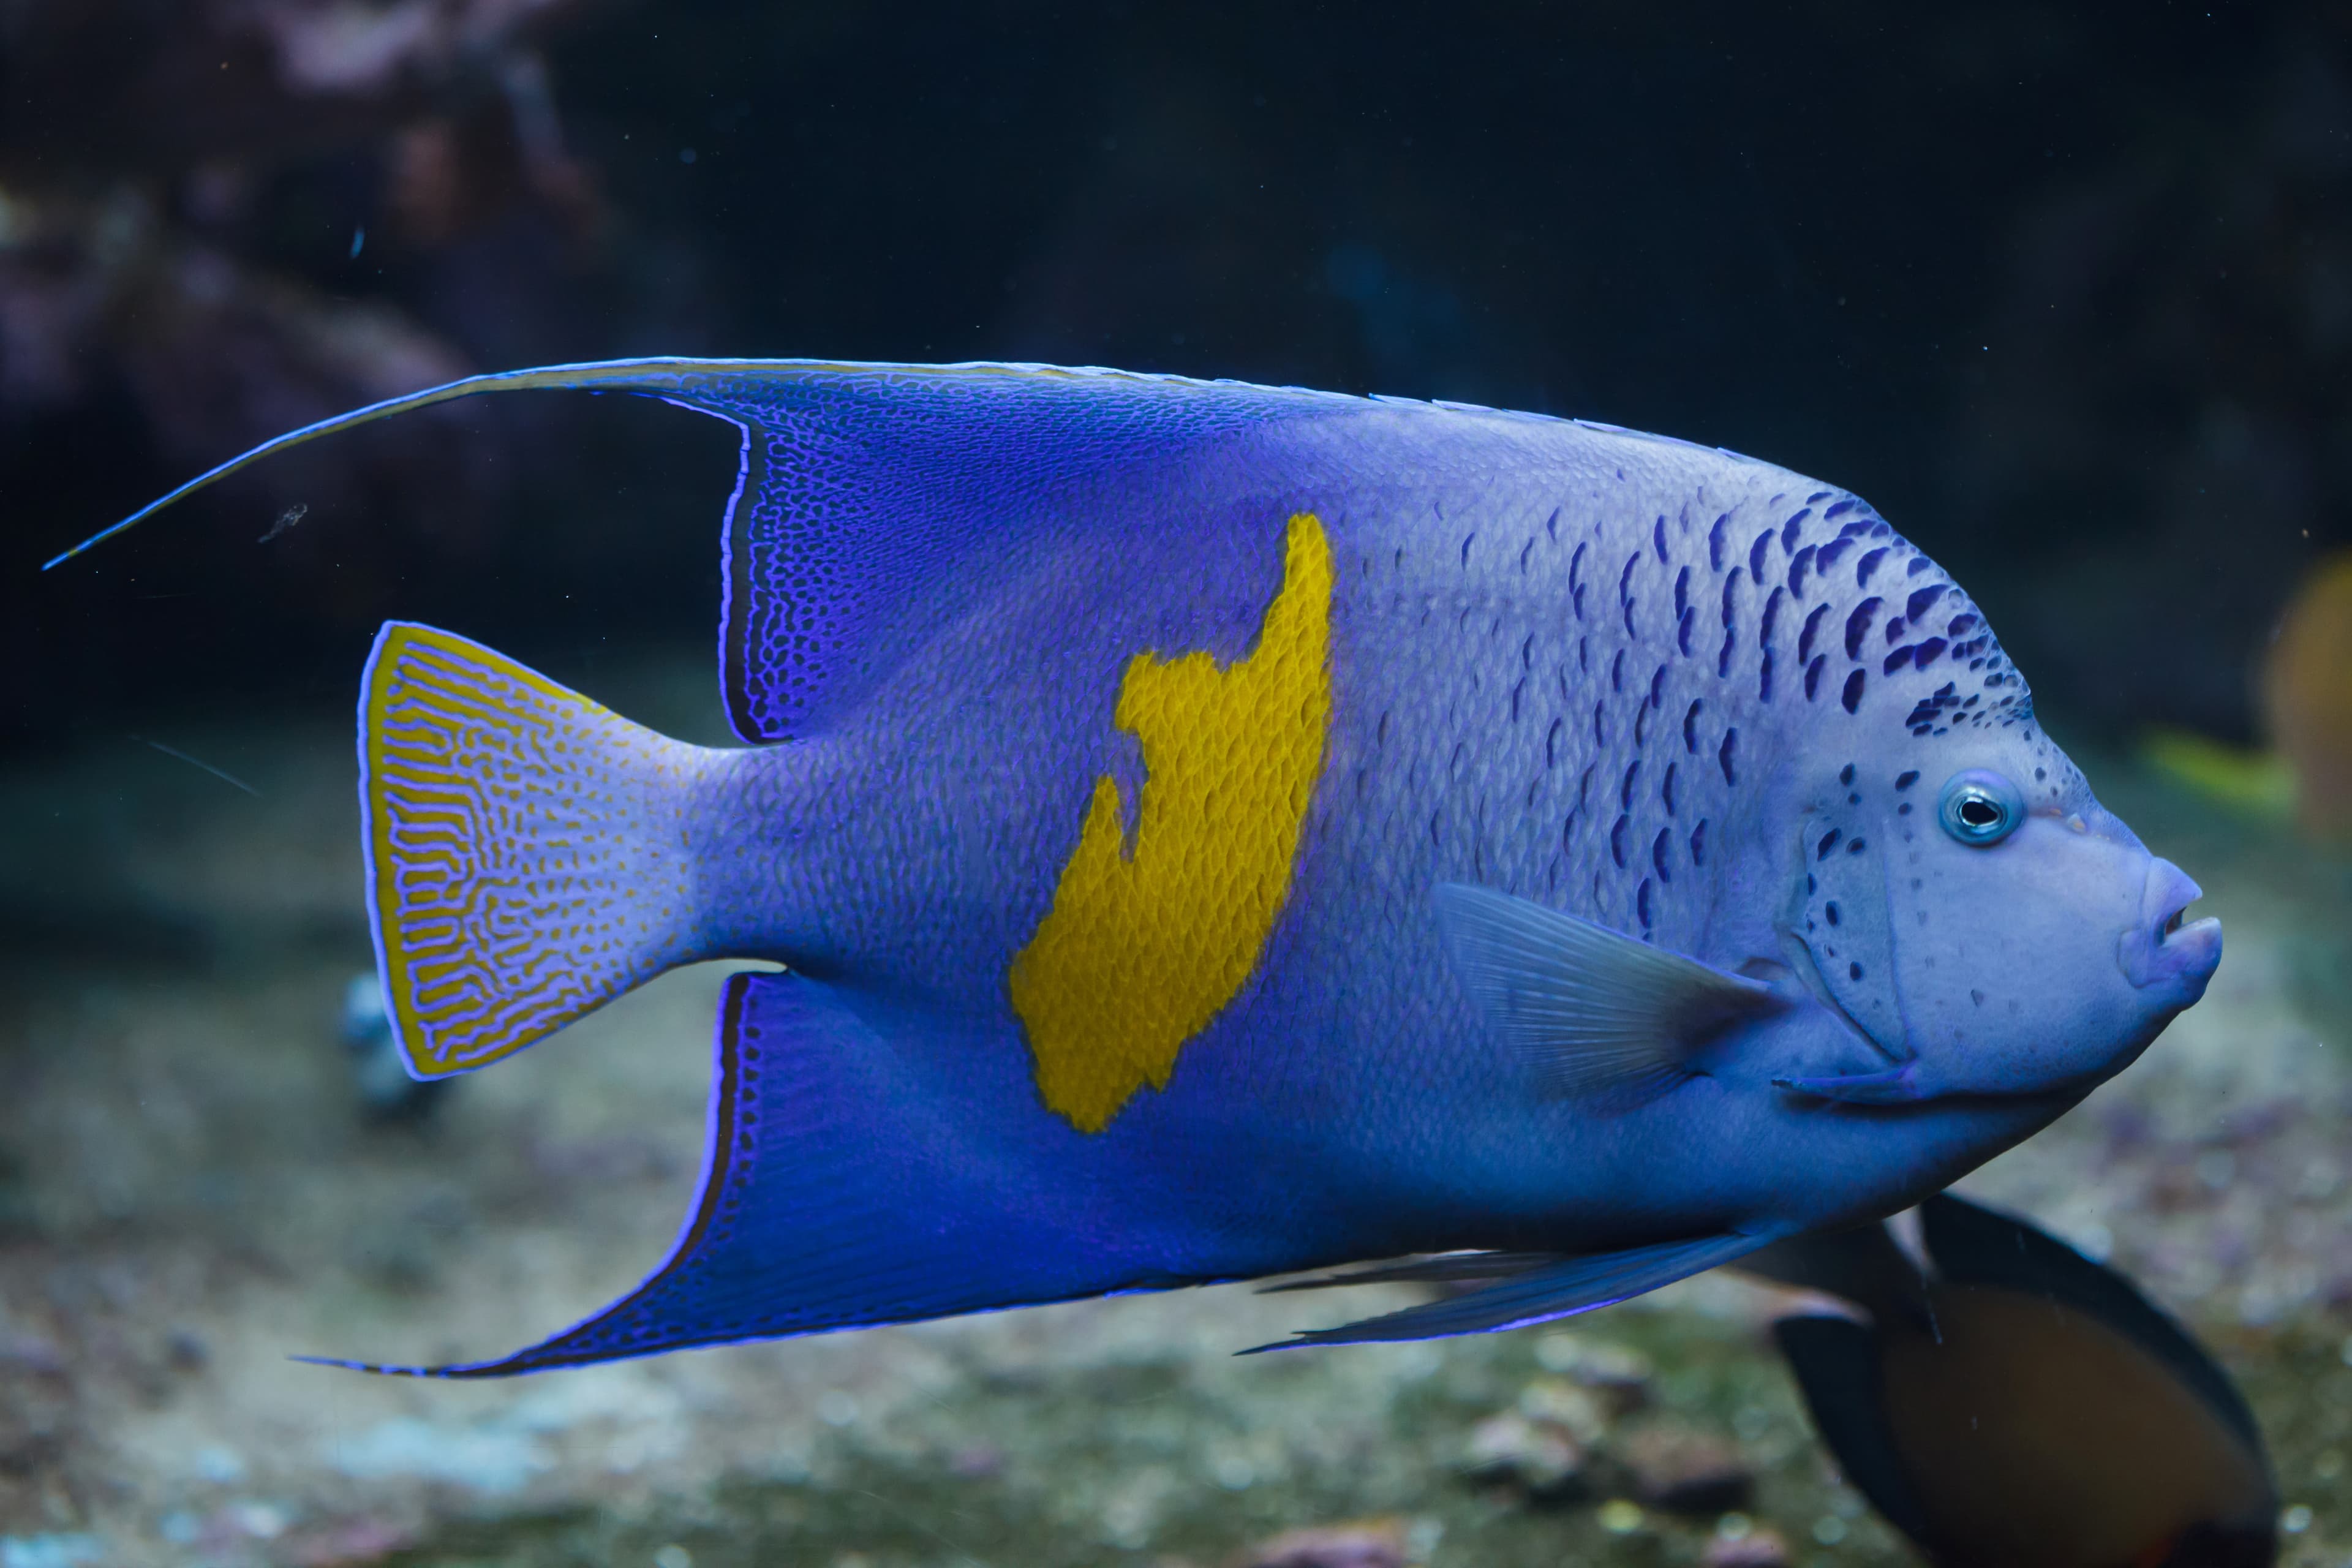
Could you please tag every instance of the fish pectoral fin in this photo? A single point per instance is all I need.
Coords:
(1593, 1010)
(1895, 1086)
(1537, 1295)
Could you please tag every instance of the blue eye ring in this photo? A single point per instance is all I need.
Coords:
(1980, 809)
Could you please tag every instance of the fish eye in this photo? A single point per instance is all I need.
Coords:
(1980, 809)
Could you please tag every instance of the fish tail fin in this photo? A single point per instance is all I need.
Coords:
(527, 853)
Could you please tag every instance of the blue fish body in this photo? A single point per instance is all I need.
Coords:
(1215, 831)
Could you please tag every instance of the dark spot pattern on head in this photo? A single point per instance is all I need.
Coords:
(1828, 841)
(1625, 592)
(1756, 557)
(1682, 592)
(1856, 846)
(1927, 652)
(1666, 790)
(1959, 626)
(1851, 698)
(1617, 841)
(1715, 543)
(1730, 627)
(1907, 778)
(1853, 971)
(1830, 911)
(1799, 564)
(1813, 675)
(1897, 660)
(1698, 843)
(1846, 774)
(1727, 756)
(1659, 849)
(1642, 906)
(1866, 566)
(1857, 626)
(1690, 727)
(1805, 636)
(1792, 530)
(1658, 538)
(1617, 673)
(1838, 508)
(1626, 789)
(1924, 599)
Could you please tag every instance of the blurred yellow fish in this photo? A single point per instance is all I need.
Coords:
(2307, 697)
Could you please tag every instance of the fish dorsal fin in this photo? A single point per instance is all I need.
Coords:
(1972, 1245)
(869, 496)
(1594, 1011)
(873, 499)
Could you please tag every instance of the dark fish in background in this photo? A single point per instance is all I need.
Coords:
(2022, 1405)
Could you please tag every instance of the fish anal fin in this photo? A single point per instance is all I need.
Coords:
(526, 848)
(831, 1198)
(1593, 1010)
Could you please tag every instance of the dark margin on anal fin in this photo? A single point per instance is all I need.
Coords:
(719, 1151)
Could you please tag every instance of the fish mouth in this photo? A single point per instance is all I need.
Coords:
(2168, 946)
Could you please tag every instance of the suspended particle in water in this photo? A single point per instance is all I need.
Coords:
(286, 519)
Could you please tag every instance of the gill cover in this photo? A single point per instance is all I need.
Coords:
(1839, 919)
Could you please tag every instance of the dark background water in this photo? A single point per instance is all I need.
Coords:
(2067, 293)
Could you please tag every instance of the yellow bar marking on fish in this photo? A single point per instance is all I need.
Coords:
(1139, 953)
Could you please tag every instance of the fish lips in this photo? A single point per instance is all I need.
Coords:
(2163, 954)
